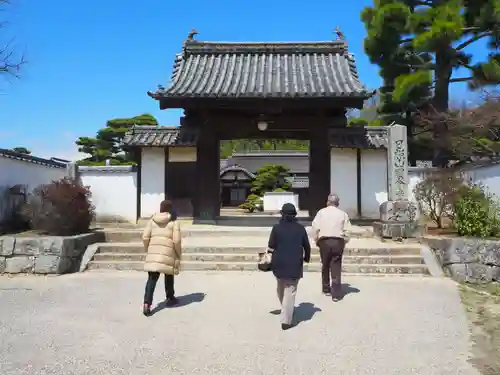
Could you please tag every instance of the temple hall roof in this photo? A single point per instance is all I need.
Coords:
(263, 70)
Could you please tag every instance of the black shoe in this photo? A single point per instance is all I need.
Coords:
(172, 301)
(327, 292)
(337, 298)
(146, 309)
(285, 327)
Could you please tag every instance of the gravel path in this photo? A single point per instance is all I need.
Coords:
(91, 323)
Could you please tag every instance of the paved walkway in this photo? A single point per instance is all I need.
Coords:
(91, 323)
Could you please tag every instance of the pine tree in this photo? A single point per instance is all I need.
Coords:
(418, 45)
(107, 143)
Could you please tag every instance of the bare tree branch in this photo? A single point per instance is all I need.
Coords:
(461, 79)
(471, 132)
(473, 39)
(10, 63)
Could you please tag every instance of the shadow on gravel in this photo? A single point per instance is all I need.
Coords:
(185, 300)
(348, 289)
(305, 312)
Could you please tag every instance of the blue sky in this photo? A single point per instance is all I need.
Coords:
(90, 61)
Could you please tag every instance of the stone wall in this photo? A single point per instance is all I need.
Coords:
(44, 255)
(467, 259)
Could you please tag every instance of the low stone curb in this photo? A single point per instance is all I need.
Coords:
(90, 251)
(430, 260)
(44, 254)
(467, 259)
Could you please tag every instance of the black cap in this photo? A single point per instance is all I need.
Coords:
(288, 209)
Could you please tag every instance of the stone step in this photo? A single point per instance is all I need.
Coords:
(134, 235)
(218, 257)
(385, 269)
(353, 248)
(255, 221)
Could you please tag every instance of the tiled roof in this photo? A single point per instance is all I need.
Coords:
(296, 162)
(159, 136)
(236, 168)
(297, 182)
(267, 153)
(52, 163)
(263, 70)
(107, 168)
(155, 136)
(367, 137)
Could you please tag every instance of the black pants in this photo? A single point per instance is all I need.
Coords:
(331, 251)
(151, 285)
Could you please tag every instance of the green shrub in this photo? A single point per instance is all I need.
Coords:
(269, 178)
(437, 193)
(476, 213)
(253, 203)
(495, 217)
(61, 208)
(279, 190)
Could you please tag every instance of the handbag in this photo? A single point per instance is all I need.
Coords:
(264, 264)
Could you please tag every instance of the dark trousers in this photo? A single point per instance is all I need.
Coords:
(151, 285)
(331, 251)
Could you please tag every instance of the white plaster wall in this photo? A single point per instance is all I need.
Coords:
(152, 180)
(373, 182)
(114, 192)
(15, 172)
(274, 201)
(182, 154)
(488, 175)
(343, 179)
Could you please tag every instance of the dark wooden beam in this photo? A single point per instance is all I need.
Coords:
(319, 168)
(269, 105)
(223, 121)
(166, 177)
(207, 200)
(138, 159)
(358, 180)
(257, 134)
(232, 126)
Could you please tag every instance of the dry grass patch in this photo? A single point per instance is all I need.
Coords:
(482, 303)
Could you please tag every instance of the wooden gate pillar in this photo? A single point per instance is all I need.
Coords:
(207, 200)
(319, 168)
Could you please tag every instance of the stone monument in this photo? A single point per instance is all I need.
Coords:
(397, 215)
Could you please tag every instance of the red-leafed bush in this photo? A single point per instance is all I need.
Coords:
(61, 208)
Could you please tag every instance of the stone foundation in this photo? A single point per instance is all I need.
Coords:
(397, 220)
(44, 255)
(391, 229)
(467, 259)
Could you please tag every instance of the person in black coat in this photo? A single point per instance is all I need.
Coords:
(290, 249)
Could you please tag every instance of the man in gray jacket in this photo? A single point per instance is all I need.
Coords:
(331, 228)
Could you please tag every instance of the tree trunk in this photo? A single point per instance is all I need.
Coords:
(440, 103)
(412, 160)
(440, 222)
